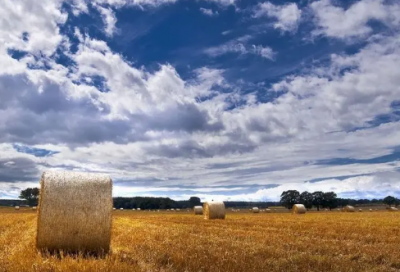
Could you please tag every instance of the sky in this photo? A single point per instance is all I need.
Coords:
(220, 99)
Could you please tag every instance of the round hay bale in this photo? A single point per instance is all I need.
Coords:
(349, 208)
(299, 209)
(138, 209)
(370, 210)
(74, 212)
(198, 210)
(34, 208)
(16, 207)
(114, 209)
(214, 210)
(268, 210)
(360, 210)
(392, 209)
(121, 209)
(255, 210)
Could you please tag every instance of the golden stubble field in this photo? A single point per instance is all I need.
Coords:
(144, 241)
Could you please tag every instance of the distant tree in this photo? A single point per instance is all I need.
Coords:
(330, 200)
(31, 195)
(306, 199)
(289, 198)
(194, 201)
(390, 200)
(318, 199)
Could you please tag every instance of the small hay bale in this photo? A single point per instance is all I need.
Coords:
(74, 212)
(299, 209)
(121, 209)
(138, 209)
(16, 207)
(255, 210)
(360, 210)
(214, 210)
(268, 210)
(198, 210)
(349, 208)
(370, 210)
(34, 208)
(392, 209)
(114, 209)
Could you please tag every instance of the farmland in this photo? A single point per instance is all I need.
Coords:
(180, 241)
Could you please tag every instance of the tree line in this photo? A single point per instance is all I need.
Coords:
(319, 199)
(328, 200)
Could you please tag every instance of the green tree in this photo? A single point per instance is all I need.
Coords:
(330, 200)
(194, 201)
(318, 199)
(289, 198)
(390, 200)
(306, 199)
(31, 195)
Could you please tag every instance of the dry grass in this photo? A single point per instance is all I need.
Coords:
(243, 242)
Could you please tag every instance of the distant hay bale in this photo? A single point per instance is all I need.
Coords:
(114, 209)
(255, 210)
(74, 212)
(267, 210)
(360, 210)
(138, 209)
(34, 208)
(370, 210)
(214, 210)
(121, 209)
(133, 209)
(299, 209)
(198, 210)
(392, 209)
(16, 207)
(349, 208)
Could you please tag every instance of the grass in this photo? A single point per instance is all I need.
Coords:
(144, 241)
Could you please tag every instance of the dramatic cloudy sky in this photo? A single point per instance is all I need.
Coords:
(223, 99)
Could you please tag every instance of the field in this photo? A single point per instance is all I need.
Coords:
(145, 241)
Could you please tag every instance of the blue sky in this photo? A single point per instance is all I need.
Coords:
(222, 99)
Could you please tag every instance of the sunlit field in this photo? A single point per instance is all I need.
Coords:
(180, 241)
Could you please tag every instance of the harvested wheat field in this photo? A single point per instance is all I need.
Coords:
(242, 242)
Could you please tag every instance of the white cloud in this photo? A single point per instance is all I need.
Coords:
(335, 21)
(109, 20)
(287, 16)
(209, 12)
(239, 46)
(265, 52)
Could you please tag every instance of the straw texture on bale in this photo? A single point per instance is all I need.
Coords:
(299, 209)
(198, 210)
(74, 212)
(255, 210)
(349, 208)
(214, 210)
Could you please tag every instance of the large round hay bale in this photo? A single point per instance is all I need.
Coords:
(75, 212)
(349, 208)
(198, 210)
(255, 210)
(16, 207)
(299, 209)
(214, 210)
